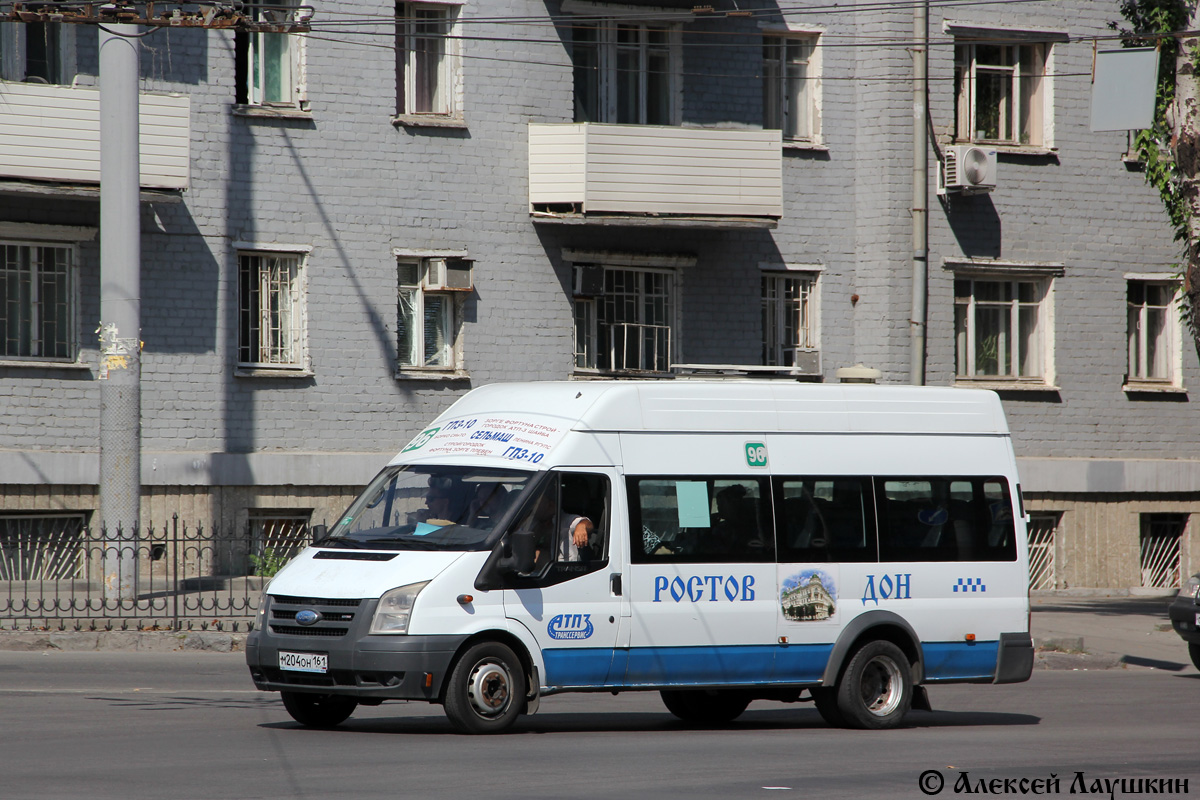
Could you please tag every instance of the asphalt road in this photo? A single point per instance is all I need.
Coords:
(190, 725)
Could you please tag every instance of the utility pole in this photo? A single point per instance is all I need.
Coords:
(920, 192)
(120, 310)
(120, 239)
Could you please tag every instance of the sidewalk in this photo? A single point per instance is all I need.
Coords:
(1106, 631)
(1070, 631)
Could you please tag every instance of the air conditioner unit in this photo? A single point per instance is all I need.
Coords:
(449, 275)
(967, 169)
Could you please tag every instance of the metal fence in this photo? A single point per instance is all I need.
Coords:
(53, 572)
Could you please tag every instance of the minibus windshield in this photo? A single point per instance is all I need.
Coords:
(428, 508)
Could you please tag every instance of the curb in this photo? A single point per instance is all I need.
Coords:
(123, 641)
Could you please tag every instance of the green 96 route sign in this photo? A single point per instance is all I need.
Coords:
(756, 454)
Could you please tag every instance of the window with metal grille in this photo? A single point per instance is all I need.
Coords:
(1159, 551)
(629, 327)
(789, 86)
(270, 311)
(788, 318)
(1043, 531)
(36, 547)
(37, 302)
(278, 534)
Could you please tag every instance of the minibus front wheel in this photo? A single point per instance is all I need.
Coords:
(875, 690)
(486, 691)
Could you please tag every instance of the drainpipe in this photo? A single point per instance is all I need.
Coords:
(920, 193)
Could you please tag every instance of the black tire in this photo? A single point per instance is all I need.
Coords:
(486, 692)
(875, 690)
(825, 699)
(1194, 652)
(318, 710)
(705, 706)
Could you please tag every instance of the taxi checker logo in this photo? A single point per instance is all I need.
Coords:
(307, 617)
(571, 626)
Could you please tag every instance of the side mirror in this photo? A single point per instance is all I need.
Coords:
(318, 532)
(523, 545)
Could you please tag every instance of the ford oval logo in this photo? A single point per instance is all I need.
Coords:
(307, 617)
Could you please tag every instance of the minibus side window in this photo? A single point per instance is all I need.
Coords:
(945, 519)
(825, 519)
(697, 519)
(568, 506)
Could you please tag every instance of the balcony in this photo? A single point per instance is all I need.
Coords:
(595, 173)
(52, 133)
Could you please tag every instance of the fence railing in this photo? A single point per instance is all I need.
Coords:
(57, 574)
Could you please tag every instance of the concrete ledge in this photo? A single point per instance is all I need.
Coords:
(127, 641)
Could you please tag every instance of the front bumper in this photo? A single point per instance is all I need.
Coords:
(1183, 612)
(360, 665)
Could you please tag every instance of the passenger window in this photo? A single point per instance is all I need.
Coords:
(569, 521)
(944, 519)
(825, 519)
(700, 519)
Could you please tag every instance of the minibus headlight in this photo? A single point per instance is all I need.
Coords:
(260, 616)
(395, 609)
(1191, 588)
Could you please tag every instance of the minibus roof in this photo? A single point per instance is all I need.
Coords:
(490, 420)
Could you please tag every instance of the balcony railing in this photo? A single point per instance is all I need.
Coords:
(52, 133)
(641, 348)
(599, 169)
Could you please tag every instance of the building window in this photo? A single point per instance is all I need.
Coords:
(427, 65)
(627, 326)
(1043, 533)
(37, 301)
(38, 52)
(270, 311)
(1001, 328)
(789, 319)
(270, 66)
(1159, 549)
(1001, 92)
(626, 73)
(1152, 332)
(275, 537)
(432, 292)
(789, 86)
(42, 547)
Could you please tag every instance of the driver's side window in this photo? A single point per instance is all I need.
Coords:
(563, 531)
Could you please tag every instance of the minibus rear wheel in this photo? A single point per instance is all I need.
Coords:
(318, 710)
(486, 692)
(711, 707)
(876, 688)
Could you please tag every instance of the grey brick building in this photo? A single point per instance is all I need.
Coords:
(343, 230)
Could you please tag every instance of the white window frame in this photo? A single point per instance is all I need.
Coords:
(587, 311)
(777, 308)
(408, 68)
(1170, 339)
(608, 81)
(425, 264)
(778, 103)
(59, 236)
(968, 373)
(1036, 112)
(287, 352)
(33, 312)
(294, 62)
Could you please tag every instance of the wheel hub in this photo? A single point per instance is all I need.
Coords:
(881, 690)
(489, 689)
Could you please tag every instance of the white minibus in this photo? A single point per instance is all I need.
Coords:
(715, 541)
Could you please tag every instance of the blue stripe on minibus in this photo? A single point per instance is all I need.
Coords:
(957, 661)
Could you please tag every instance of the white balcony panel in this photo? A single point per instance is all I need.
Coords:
(650, 169)
(52, 133)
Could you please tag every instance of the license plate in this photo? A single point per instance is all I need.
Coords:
(1198, 619)
(304, 662)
